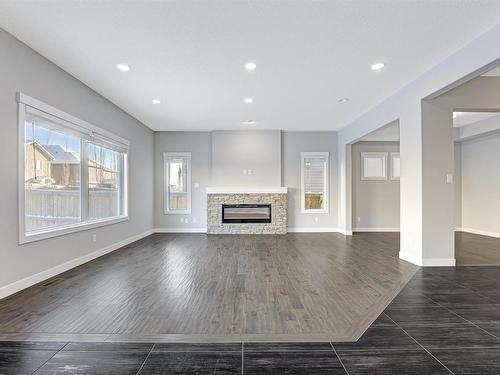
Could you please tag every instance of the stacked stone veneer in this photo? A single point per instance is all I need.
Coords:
(278, 224)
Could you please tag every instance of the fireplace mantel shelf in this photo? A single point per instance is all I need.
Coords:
(246, 190)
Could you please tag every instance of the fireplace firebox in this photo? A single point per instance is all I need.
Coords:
(246, 213)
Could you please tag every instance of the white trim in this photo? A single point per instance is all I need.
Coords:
(478, 231)
(44, 107)
(410, 258)
(166, 157)
(61, 231)
(428, 262)
(380, 155)
(312, 230)
(375, 229)
(19, 285)
(247, 190)
(326, 177)
(438, 262)
(180, 230)
(395, 155)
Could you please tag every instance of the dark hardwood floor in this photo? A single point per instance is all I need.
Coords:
(196, 287)
(473, 249)
(445, 321)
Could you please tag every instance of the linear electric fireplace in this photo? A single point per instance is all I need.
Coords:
(246, 213)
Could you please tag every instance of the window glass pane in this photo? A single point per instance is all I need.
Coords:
(51, 177)
(177, 183)
(314, 182)
(104, 182)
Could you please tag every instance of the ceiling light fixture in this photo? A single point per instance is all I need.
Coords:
(123, 67)
(250, 66)
(343, 100)
(248, 100)
(248, 122)
(377, 66)
(156, 101)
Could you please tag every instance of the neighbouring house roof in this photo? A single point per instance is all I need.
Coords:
(42, 149)
(61, 155)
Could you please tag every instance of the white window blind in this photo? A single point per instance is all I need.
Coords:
(314, 181)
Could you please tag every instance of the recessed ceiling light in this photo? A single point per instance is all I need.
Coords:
(248, 122)
(123, 67)
(156, 101)
(343, 100)
(250, 66)
(248, 100)
(378, 66)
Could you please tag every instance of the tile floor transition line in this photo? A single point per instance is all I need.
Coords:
(428, 352)
(144, 362)
(471, 322)
(43, 364)
(340, 359)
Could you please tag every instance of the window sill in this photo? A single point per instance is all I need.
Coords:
(42, 235)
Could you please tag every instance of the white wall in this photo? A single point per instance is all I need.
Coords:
(22, 69)
(293, 144)
(480, 185)
(375, 203)
(405, 105)
(234, 152)
(198, 143)
(262, 159)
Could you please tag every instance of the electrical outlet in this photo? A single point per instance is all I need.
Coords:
(250, 171)
(245, 171)
(316, 219)
(194, 220)
(196, 185)
(181, 219)
(94, 238)
(359, 219)
(449, 178)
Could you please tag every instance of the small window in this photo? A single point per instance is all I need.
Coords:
(72, 174)
(177, 182)
(395, 166)
(314, 189)
(374, 166)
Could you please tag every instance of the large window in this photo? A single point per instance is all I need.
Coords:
(72, 174)
(314, 189)
(177, 198)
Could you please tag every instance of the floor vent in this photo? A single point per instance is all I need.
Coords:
(51, 282)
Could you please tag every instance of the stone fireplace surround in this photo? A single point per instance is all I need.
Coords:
(276, 196)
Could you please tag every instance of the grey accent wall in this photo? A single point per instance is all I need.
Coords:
(293, 144)
(480, 184)
(255, 150)
(375, 203)
(22, 69)
(198, 143)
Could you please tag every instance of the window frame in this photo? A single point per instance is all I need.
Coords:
(326, 199)
(166, 177)
(374, 154)
(395, 155)
(67, 123)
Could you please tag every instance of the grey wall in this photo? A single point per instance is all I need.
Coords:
(480, 184)
(22, 69)
(293, 144)
(198, 143)
(236, 151)
(375, 203)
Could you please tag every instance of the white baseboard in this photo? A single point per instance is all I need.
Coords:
(19, 285)
(438, 262)
(180, 230)
(478, 231)
(311, 230)
(428, 262)
(375, 229)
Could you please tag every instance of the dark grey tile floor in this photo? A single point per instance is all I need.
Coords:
(445, 321)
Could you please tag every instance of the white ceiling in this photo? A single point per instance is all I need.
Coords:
(468, 118)
(190, 54)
